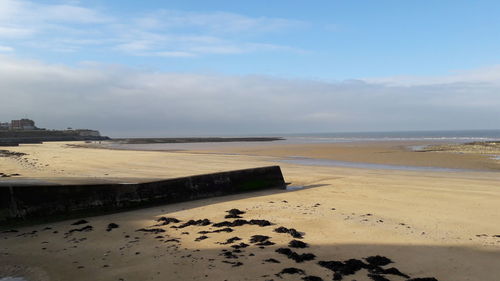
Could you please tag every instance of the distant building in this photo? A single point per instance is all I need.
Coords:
(25, 131)
(4, 126)
(29, 125)
(23, 124)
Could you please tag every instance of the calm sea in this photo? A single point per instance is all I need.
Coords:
(445, 136)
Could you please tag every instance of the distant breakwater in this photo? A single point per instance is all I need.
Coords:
(192, 140)
(39, 203)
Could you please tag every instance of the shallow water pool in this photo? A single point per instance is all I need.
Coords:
(328, 162)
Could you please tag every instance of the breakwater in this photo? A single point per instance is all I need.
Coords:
(192, 140)
(49, 202)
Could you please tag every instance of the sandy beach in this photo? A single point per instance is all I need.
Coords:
(358, 221)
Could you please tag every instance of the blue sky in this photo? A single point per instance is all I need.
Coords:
(431, 56)
(313, 39)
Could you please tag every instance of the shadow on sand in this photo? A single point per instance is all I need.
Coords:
(170, 255)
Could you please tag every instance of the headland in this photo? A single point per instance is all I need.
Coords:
(25, 131)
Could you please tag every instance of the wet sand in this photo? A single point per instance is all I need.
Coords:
(384, 153)
(429, 224)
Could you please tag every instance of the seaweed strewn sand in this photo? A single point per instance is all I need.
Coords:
(483, 147)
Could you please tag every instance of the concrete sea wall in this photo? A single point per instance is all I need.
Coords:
(15, 137)
(49, 202)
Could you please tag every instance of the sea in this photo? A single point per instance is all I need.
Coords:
(459, 136)
(304, 138)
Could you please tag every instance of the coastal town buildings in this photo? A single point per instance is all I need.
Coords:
(27, 126)
(25, 131)
(21, 124)
(4, 125)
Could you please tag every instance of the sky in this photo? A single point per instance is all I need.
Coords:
(180, 68)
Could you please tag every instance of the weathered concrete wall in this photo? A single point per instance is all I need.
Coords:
(18, 203)
(39, 136)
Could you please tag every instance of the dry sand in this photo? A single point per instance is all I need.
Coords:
(430, 224)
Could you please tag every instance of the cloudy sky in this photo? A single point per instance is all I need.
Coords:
(167, 68)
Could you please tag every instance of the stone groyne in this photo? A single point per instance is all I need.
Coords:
(51, 202)
(193, 140)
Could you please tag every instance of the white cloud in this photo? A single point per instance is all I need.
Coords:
(219, 22)
(6, 49)
(69, 14)
(15, 32)
(481, 75)
(124, 102)
(135, 46)
(73, 27)
(228, 48)
(174, 54)
(22, 12)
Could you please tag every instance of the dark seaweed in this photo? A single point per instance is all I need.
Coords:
(312, 278)
(78, 222)
(259, 238)
(202, 222)
(151, 230)
(231, 240)
(239, 246)
(392, 271)
(297, 244)
(165, 220)
(291, 231)
(227, 229)
(203, 237)
(378, 260)
(347, 267)
(83, 229)
(229, 255)
(376, 277)
(260, 222)
(295, 256)
(112, 226)
(240, 222)
(291, 270)
(234, 214)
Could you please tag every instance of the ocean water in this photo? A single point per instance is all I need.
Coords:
(444, 136)
(431, 136)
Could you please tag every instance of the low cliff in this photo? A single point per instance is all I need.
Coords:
(38, 136)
